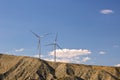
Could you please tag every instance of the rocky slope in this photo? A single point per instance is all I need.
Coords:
(27, 68)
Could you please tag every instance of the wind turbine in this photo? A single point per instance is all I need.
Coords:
(55, 45)
(39, 42)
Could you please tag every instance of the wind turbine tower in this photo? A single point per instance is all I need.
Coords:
(55, 45)
(39, 42)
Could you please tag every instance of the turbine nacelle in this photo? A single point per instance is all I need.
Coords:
(55, 45)
(39, 41)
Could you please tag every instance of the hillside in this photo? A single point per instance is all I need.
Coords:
(28, 68)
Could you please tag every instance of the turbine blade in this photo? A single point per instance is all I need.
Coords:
(44, 35)
(35, 34)
(59, 46)
(50, 44)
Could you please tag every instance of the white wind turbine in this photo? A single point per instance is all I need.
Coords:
(39, 42)
(55, 45)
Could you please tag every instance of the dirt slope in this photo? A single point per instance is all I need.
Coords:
(27, 68)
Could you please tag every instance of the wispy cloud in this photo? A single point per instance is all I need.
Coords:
(107, 11)
(69, 53)
(102, 52)
(117, 65)
(85, 59)
(58, 60)
(15, 51)
(116, 46)
(70, 60)
(19, 50)
(37, 56)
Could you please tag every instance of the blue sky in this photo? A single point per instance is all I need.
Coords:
(81, 25)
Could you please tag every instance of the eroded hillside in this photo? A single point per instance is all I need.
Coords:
(27, 68)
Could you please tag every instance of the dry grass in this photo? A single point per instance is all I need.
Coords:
(28, 68)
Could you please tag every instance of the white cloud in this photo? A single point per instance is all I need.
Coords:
(106, 11)
(19, 50)
(117, 65)
(37, 56)
(102, 52)
(69, 53)
(58, 60)
(15, 51)
(70, 60)
(49, 59)
(85, 59)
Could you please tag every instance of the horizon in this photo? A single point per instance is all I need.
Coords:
(88, 31)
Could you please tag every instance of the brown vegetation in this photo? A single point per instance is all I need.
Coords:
(28, 68)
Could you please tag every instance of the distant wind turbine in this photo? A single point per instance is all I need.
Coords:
(39, 42)
(55, 45)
